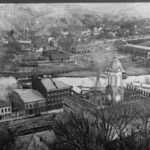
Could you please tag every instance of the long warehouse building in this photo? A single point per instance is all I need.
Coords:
(135, 50)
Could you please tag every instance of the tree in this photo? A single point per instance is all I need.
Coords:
(7, 139)
(142, 124)
(76, 132)
(105, 128)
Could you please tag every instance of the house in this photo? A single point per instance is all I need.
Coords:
(86, 33)
(57, 55)
(5, 109)
(97, 31)
(53, 90)
(25, 44)
(27, 101)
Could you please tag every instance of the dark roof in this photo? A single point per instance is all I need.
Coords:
(57, 54)
(81, 102)
(5, 103)
(34, 142)
(147, 44)
(54, 84)
(130, 92)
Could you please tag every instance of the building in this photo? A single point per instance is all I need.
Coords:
(83, 49)
(142, 88)
(5, 109)
(86, 33)
(53, 90)
(136, 50)
(147, 44)
(26, 44)
(76, 103)
(57, 55)
(27, 101)
(115, 91)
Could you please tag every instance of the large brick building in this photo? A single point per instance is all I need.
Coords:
(53, 90)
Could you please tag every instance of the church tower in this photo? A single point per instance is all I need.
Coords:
(115, 91)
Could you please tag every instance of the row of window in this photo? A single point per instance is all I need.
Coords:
(56, 98)
(35, 105)
(59, 93)
(4, 110)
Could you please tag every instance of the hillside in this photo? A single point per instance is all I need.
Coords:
(76, 16)
(34, 17)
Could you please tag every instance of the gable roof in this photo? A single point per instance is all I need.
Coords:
(5, 103)
(29, 95)
(33, 141)
(116, 65)
(54, 84)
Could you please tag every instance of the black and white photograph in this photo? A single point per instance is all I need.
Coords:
(75, 76)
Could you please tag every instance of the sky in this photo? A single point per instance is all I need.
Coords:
(134, 9)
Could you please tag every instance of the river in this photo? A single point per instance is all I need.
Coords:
(10, 82)
(103, 82)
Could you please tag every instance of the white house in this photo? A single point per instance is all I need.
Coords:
(5, 109)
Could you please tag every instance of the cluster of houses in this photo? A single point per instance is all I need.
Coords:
(46, 94)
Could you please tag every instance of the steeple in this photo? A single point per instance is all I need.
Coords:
(115, 73)
(115, 81)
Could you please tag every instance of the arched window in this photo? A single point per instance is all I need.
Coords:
(114, 80)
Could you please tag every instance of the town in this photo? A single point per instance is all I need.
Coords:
(73, 80)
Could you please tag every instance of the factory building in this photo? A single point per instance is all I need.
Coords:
(135, 50)
(53, 90)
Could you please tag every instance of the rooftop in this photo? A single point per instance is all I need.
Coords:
(116, 65)
(81, 102)
(141, 85)
(29, 95)
(34, 142)
(138, 47)
(54, 84)
(147, 43)
(5, 103)
(25, 41)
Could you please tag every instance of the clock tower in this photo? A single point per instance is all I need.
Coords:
(115, 91)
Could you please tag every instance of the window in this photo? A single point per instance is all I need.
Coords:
(2, 110)
(27, 106)
(30, 105)
(9, 109)
(114, 80)
(5, 109)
